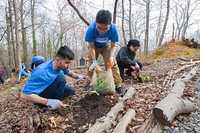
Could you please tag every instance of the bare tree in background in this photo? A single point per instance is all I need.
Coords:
(130, 20)
(115, 12)
(77, 11)
(159, 23)
(123, 31)
(183, 14)
(187, 15)
(24, 40)
(17, 34)
(33, 27)
(10, 53)
(12, 32)
(146, 40)
(165, 23)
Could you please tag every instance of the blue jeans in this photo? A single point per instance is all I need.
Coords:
(58, 89)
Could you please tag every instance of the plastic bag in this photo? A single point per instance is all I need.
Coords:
(104, 84)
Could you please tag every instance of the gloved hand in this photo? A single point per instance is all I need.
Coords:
(136, 64)
(137, 67)
(80, 76)
(54, 103)
(110, 62)
(94, 63)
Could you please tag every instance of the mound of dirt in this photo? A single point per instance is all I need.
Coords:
(177, 48)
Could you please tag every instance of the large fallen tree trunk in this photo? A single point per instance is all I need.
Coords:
(173, 104)
(99, 127)
(151, 125)
(121, 126)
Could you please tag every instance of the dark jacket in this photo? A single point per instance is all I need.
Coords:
(125, 57)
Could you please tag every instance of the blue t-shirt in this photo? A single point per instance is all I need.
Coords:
(22, 73)
(42, 76)
(100, 40)
(23, 66)
(36, 58)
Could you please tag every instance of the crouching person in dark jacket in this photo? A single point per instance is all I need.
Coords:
(125, 58)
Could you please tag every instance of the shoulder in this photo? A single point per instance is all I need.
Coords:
(113, 26)
(92, 26)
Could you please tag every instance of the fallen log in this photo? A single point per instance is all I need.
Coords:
(121, 126)
(168, 78)
(173, 104)
(151, 125)
(99, 127)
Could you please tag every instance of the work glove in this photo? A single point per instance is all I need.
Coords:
(54, 104)
(83, 77)
(80, 76)
(110, 62)
(136, 65)
(94, 64)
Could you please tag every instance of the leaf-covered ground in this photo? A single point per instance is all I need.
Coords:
(84, 109)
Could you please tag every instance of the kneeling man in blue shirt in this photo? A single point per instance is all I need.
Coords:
(47, 84)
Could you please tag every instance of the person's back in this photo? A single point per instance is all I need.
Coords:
(36, 61)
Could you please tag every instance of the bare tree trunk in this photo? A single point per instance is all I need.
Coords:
(49, 48)
(77, 11)
(12, 33)
(44, 46)
(187, 14)
(123, 31)
(17, 34)
(33, 26)
(115, 12)
(24, 40)
(173, 28)
(158, 30)
(130, 21)
(10, 55)
(146, 40)
(165, 24)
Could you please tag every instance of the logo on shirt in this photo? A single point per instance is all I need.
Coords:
(102, 40)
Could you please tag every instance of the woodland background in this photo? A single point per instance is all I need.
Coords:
(40, 27)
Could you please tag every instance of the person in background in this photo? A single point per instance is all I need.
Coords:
(24, 67)
(125, 58)
(102, 36)
(37, 60)
(2, 72)
(21, 73)
(47, 83)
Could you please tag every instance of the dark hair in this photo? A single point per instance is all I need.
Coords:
(65, 52)
(13, 70)
(134, 43)
(104, 17)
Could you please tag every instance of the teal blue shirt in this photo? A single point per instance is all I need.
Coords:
(42, 76)
(100, 40)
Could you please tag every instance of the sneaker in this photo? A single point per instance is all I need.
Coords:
(119, 90)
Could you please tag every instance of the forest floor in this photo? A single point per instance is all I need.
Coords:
(84, 109)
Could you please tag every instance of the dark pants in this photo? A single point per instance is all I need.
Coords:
(38, 62)
(1, 80)
(128, 72)
(58, 89)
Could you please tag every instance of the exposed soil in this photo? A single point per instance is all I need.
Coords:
(84, 109)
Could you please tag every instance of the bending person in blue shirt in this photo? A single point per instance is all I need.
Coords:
(47, 83)
(24, 67)
(37, 60)
(21, 73)
(102, 36)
